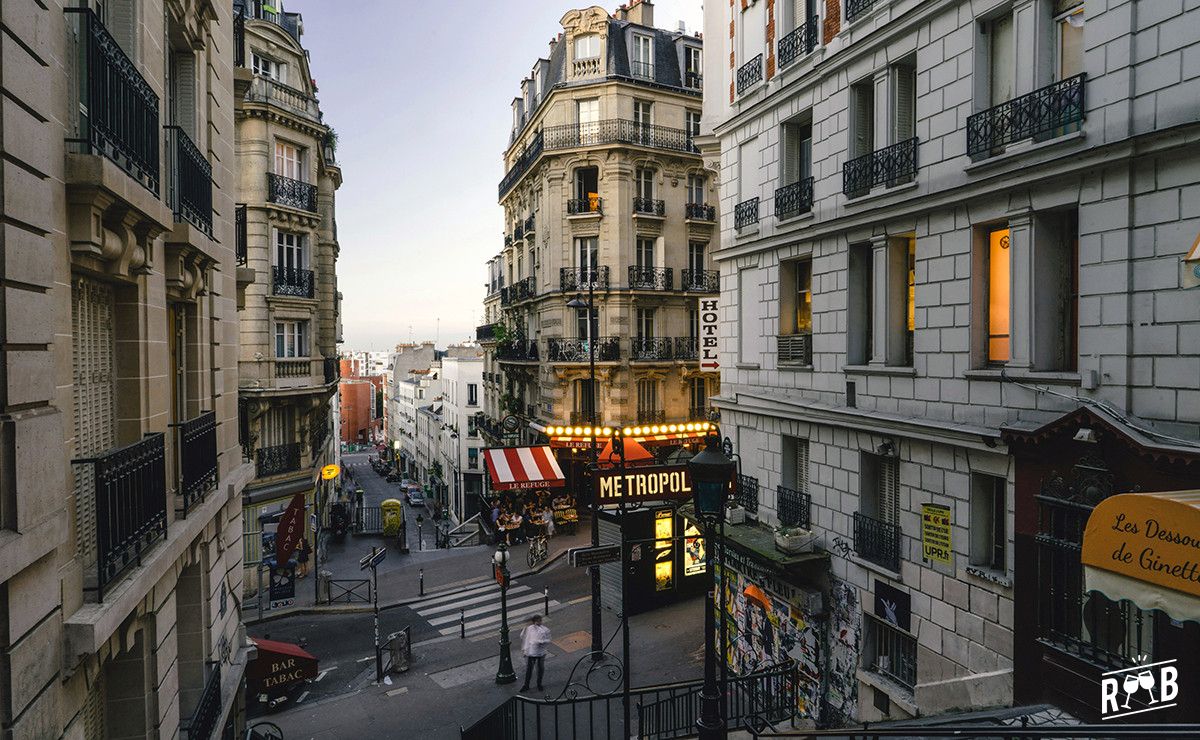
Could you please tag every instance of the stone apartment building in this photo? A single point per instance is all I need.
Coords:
(409, 366)
(287, 283)
(461, 443)
(953, 320)
(120, 475)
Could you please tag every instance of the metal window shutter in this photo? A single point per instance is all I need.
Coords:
(183, 105)
(905, 102)
(802, 465)
(93, 309)
(791, 153)
(889, 490)
(610, 573)
(121, 21)
(862, 133)
(93, 709)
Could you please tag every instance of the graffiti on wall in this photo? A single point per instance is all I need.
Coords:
(845, 632)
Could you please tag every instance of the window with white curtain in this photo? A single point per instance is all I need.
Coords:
(291, 339)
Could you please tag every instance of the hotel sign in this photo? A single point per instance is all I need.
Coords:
(657, 483)
(709, 321)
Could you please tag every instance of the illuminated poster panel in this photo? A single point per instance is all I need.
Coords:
(693, 552)
(664, 565)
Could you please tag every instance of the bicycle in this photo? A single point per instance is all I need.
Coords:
(538, 550)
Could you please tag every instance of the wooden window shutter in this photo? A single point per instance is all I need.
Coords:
(861, 135)
(802, 465)
(94, 390)
(905, 102)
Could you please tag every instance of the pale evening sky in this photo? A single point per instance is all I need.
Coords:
(419, 94)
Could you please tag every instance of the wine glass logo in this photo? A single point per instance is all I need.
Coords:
(1130, 685)
(1146, 681)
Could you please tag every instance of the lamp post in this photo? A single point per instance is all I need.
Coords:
(505, 673)
(589, 273)
(711, 473)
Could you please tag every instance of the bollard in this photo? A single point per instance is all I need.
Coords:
(462, 623)
(547, 595)
(422, 576)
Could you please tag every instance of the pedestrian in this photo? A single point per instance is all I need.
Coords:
(548, 520)
(304, 551)
(534, 639)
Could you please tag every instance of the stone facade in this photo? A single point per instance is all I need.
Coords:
(461, 445)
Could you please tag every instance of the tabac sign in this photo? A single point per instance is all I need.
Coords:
(709, 319)
(656, 483)
(1153, 538)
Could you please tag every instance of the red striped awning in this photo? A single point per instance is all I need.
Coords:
(523, 468)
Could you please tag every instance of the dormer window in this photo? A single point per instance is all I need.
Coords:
(643, 64)
(268, 68)
(587, 46)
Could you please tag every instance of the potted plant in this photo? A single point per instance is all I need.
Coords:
(734, 514)
(793, 540)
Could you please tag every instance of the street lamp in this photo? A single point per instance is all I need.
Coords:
(711, 472)
(505, 673)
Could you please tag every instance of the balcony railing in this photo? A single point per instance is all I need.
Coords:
(518, 350)
(118, 118)
(700, 212)
(581, 278)
(856, 8)
(292, 368)
(485, 333)
(242, 238)
(318, 432)
(799, 42)
(693, 80)
(651, 348)
(745, 213)
(1054, 110)
(197, 458)
(333, 369)
(202, 725)
(608, 349)
(277, 460)
(644, 70)
(877, 541)
(129, 486)
(266, 10)
(746, 493)
(530, 225)
(523, 162)
(698, 412)
(687, 348)
(890, 166)
(523, 290)
(651, 278)
(519, 232)
(583, 206)
(795, 199)
(794, 507)
(890, 652)
(649, 206)
(701, 281)
(749, 73)
(578, 418)
(291, 281)
(651, 416)
(291, 193)
(190, 184)
(795, 349)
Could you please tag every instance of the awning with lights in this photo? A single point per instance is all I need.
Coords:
(581, 438)
(522, 468)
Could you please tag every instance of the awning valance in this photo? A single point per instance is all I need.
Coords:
(279, 664)
(522, 468)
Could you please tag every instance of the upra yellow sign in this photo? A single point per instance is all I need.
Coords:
(329, 472)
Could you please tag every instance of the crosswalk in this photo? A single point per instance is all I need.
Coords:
(479, 608)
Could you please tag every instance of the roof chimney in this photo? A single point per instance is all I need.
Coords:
(622, 13)
(642, 12)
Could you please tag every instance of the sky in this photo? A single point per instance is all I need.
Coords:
(419, 93)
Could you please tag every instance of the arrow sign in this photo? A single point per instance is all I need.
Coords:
(586, 557)
(374, 559)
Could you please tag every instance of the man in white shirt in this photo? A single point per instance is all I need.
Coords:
(534, 639)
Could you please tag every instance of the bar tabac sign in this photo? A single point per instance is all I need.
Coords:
(1153, 538)
(657, 483)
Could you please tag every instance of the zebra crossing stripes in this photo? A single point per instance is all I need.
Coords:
(479, 607)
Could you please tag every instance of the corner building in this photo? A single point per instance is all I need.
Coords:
(955, 318)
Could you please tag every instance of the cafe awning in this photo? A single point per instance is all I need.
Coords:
(279, 664)
(1145, 547)
(522, 468)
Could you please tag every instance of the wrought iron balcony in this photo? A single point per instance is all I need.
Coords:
(794, 507)
(242, 239)
(508, 240)
(485, 333)
(856, 8)
(651, 278)
(119, 115)
(277, 460)
(795, 349)
(584, 206)
(890, 166)
(523, 290)
(687, 348)
(292, 368)
(745, 213)
(651, 348)
(530, 224)
(700, 212)
(333, 369)
(285, 191)
(518, 350)
(892, 653)
(795, 199)
(239, 39)
(693, 80)
(125, 507)
(649, 207)
(749, 73)
(746, 493)
(698, 412)
(584, 417)
(1052, 111)
(643, 70)
(800, 42)
(581, 278)
(701, 281)
(198, 458)
(291, 281)
(519, 232)
(877, 541)
(576, 350)
(533, 149)
(202, 725)
(318, 432)
(190, 184)
(266, 10)
(651, 416)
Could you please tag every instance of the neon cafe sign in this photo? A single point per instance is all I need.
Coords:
(582, 437)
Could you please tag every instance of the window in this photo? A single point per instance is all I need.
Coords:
(699, 397)
(748, 171)
(879, 488)
(268, 68)
(696, 257)
(583, 399)
(796, 301)
(1069, 40)
(862, 118)
(645, 323)
(181, 90)
(647, 390)
(587, 251)
(799, 11)
(472, 394)
(587, 46)
(587, 113)
(644, 255)
(291, 339)
(797, 151)
(988, 520)
(889, 651)
(1002, 66)
(644, 181)
(749, 307)
(693, 66)
(288, 160)
(472, 456)
(587, 181)
(697, 186)
(693, 323)
(643, 57)
(1056, 292)
(999, 283)
(795, 464)
(904, 101)
(289, 250)
(691, 123)
(643, 120)
(581, 323)
(860, 317)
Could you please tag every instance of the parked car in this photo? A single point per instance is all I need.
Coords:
(393, 477)
(416, 497)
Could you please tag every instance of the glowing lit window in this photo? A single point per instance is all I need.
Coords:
(999, 288)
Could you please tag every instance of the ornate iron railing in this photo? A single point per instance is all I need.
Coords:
(794, 507)
(581, 206)
(890, 166)
(239, 38)
(485, 333)
(687, 348)
(700, 281)
(583, 417)
(745, 213)
(523, 290)
(795, 349)
(519, 232)
(651, 348)
(518, 350)
(508, 240)
(856, 8)
(266, 10)
(533, 149)
(749, 73)
(277, 460)
(130, 489)
(197, 458)
(792, 200)
(1051, 111)
(291, 193)
(333, 369)
(291, 281)
(746, 493)
(202, 725)
(644, 70)
(693, 80)
(700, 212)
(651, 416)
(190, 185)
(241, 239)
(118, 118)
(890, 652)
(292, 368)
(318, 432)
(800, 42)
(608, 349)
(698, 412)
(530, 223)
(581, 278)
(649, 206)
(651, 278)
(877, 541)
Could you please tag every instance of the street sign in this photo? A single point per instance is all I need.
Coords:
(586, 557)
(329, 472)
(499, 574)
(372, 560)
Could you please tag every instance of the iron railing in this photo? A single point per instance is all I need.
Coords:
(583, 417)
(651, 416)
(286, 191)
(239, 38)
(700, 212)
(698, 412)
(266, 10)
(856, 8)
(292, 368)
(651, 278)
(485, 333)
(582, 206)
(530, 223)
(202, 725)
(877, 541)
(644, 70)
(1053, 110)
(241, 240)
(745, 213)
(581, 278)
(746, 493)
(890, 166)
(523, 290)
(749, 73)
(197, 458)
(794, 507)
(519, 232)
(608, 349)
(190, 184)
(130, 489)
(700, 281)
(795, 199)
(518, 350)
(890, 652)
(800, 42)
(291, 281)
(118, 118)
(687, 348)
(333, 369)
(277, 460)
(649, 206)
(349, 591)
(533, 149)
(318, 432)
(795, 349)
(651, 348)
(693, 80)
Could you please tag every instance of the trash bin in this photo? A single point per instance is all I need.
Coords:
(323, 579)
(393, 516)
(398, 645)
